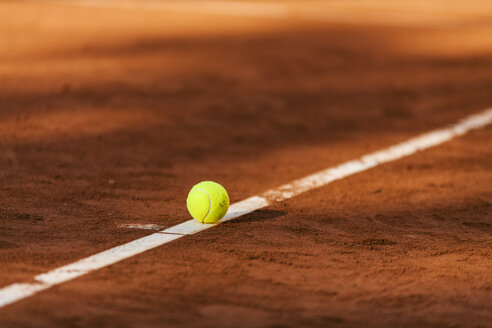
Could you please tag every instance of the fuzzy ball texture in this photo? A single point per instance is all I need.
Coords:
(207, 202)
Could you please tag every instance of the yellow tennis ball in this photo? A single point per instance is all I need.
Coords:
(207, 202)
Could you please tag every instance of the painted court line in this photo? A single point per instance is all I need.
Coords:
(140, 226)
(19, 291)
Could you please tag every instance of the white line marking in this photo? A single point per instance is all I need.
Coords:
(16, 292)
(105, 258)
(148, 226)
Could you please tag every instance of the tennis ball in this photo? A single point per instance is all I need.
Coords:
(207, 202)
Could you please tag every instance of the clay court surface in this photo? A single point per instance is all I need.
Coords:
(109, 113)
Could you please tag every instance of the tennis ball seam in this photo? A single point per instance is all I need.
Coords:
(209, 203)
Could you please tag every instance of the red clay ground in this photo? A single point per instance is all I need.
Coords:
(156, 101)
